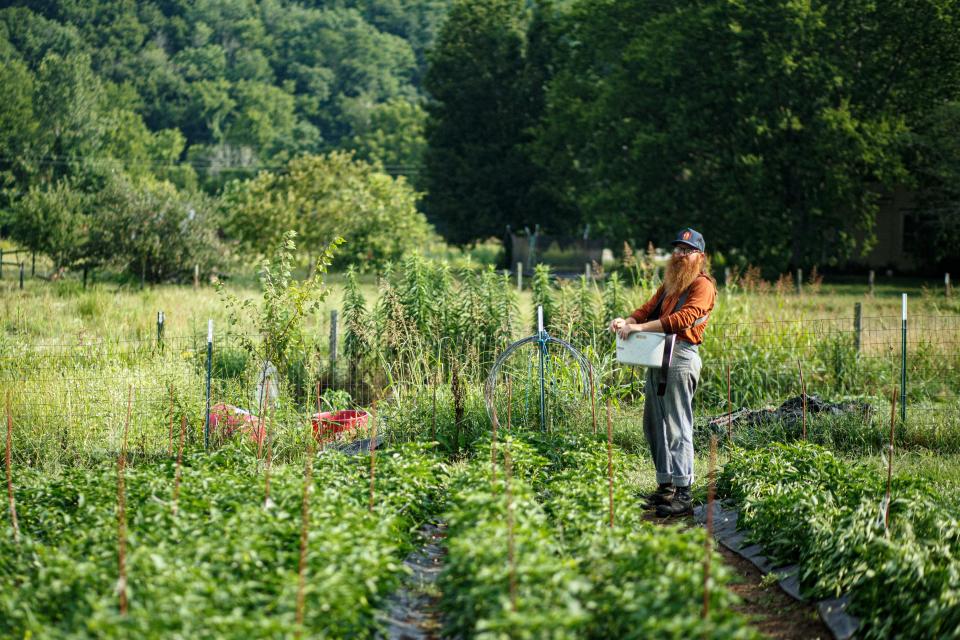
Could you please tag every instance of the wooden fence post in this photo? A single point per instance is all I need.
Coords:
(857, 326)
(10, 495)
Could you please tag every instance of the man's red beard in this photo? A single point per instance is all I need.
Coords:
(681, 272)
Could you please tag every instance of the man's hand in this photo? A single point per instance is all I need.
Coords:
(616, 323)
(627, 328)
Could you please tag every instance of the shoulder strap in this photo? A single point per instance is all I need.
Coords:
(680, 302)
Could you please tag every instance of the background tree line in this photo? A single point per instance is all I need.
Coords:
(151, 136)
(775, 127)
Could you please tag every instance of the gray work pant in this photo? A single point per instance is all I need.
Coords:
(668, 419)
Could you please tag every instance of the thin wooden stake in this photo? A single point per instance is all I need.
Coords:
(261, 423)
(170, 438)
(322, 442)
(709, 542)
(493, 448)
(803, 392)
(610, 459)
(511, 549)
(304, 529)
(10, 496)
(509, 402)
(179, 471)
(268, 435)
(122, 512)
(373, 455)
(433, 429)
(593, 400)
(893, 418)
(729, 409)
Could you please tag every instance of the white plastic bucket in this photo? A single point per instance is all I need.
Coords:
(641, 348)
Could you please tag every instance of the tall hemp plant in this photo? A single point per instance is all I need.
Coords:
(357, 331)
(286, 303)
(543, 294)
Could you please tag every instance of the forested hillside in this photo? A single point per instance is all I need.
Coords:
(112, 100)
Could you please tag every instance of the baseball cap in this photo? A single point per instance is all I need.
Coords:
(691, 238)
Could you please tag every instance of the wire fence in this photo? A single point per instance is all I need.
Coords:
(70, 400)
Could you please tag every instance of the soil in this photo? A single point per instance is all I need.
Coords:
(770, 610)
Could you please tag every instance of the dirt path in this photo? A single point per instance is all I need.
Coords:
(412, 613)
(770, 610)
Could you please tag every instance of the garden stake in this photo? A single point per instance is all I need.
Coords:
(122, 513)
(456, 388)
(593, 400)
(610, 459)
(893, 414)
(267, 503)
(304, 530)
(373, 453)
(178, 473)
(729, 409)
(13, 502)
(433, 428)
(170, 439)
(511, 551)
(323, 445)
(510, 405)
(803, 392)
(206, 427)
(903, 365)
(706, 559)
(261, 422)
(493, 449)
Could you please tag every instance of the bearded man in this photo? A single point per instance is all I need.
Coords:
(680, 306)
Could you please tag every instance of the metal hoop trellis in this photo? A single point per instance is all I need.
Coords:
(542, 339)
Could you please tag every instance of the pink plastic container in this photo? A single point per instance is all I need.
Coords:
(228, 419)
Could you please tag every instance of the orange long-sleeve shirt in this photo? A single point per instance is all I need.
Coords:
(699, 303)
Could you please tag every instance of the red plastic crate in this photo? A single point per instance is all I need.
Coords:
(332, 424)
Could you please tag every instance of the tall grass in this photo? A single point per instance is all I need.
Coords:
(67, 356)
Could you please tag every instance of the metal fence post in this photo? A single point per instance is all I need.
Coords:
(206, 425)
(799, 281)
(857, 325)
(160, 330)
(870, 280)
(519, 276)
(946, 285)
(903, 364)
(333, 343)
(541, 333)
(21, 276)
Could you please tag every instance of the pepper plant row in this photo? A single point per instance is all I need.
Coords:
(224, 566)
(573, 575)
(808, 507)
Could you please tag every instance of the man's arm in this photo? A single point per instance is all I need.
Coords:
(641, 314)
(634, 322)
